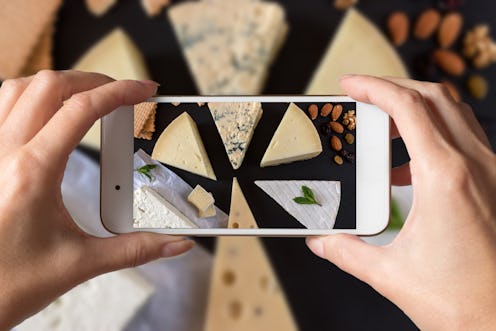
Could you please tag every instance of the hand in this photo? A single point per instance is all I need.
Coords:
(441, 268)
(43, 252)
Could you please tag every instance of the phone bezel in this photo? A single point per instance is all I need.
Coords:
(373, 164)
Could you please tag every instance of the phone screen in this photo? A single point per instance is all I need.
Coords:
(293, 164)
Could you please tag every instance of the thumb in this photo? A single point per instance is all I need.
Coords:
(133, 249)
(351, 254)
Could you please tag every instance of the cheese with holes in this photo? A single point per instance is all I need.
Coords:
(240, 215)
(295, 139)
(181, 146)
(151, 210)
(115, 55)
(200, 198)
(229, 45)
(315, 217)
(358, 47)
(245, 294)
(236, 123)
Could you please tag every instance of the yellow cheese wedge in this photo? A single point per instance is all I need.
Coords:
(295, 139)
(115, 55)
(357, 48)
(245, 294)
(181, 146)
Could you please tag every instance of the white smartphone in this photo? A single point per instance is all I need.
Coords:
(246, 165)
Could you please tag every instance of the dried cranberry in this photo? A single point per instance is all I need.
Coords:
(325, 129)
(348, 156)
(450, 4)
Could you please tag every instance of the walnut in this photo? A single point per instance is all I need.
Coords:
(479, 46)
(349, 120)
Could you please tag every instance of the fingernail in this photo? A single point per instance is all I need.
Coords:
(176, 248)
(316, 246)
(346, 76)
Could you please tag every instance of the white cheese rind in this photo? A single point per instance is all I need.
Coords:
(229, 45)
(181, 146)
(295, 139)
(236, 123)
(315, 217)
(151, 210)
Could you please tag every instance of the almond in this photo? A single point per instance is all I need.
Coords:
(336, 112)
(450, 29)
(336, 127)
(326, 110)
(398, 26)
(450, 62)
(336, 143)
(426, 24)
(313, 111)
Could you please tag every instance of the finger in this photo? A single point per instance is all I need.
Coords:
(67, 127)
(401, 175)
(133, 249)
(43, 96)
(350, 254)
(407, 108)
(394, 130)
(10, 91)
(472, 121)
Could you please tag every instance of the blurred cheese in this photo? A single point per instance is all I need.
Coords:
(245, 294)
(107, 302)
(358, 48)
(115, 55)
(181, 146)
(295, 139)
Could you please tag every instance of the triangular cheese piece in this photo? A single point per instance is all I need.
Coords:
(115, 55)
(229, 45)
(358, 47)
(315, 217)
(240, 216)
(236, 123)
(295, 139)
(181, 146)
(245, 294)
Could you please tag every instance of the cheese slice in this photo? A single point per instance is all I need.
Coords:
(358, 47)
(115, 55)
(181, 146)
(151, 210)
(236, 123)
(315, 217)
(229, 45)
(245, 294)
(295, 139)
(200, 198)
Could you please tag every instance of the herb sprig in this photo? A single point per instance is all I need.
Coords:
(308, 197)
(145, 170)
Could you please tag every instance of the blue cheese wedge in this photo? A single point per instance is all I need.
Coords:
(229, 45)
(236, 123)
(151, 210)
(315, 217)
(295, 139)
(181, 146)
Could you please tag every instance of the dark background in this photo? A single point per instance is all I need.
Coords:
(321, 296)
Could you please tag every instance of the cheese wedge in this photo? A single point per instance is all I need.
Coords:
(358, 47)
(181, 146)
(315, 217)
(245, 294)
(229, 45)
(236, 123)
(115, 55)
(151, 210)
(295, 139)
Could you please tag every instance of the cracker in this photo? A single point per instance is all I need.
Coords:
(41, 57)
(144, 113)
(22, 22)
(99, 7)
(153, 7)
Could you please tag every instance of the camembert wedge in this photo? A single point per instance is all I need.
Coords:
(295, 139)
(181, 146)
(236, 123)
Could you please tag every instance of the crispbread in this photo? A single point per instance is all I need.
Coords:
(22, 22)
(153, 7)
(144, 119)
(99, 7)
(41, 57)
(149, 127)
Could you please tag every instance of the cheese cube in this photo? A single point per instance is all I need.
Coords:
(201, 199)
